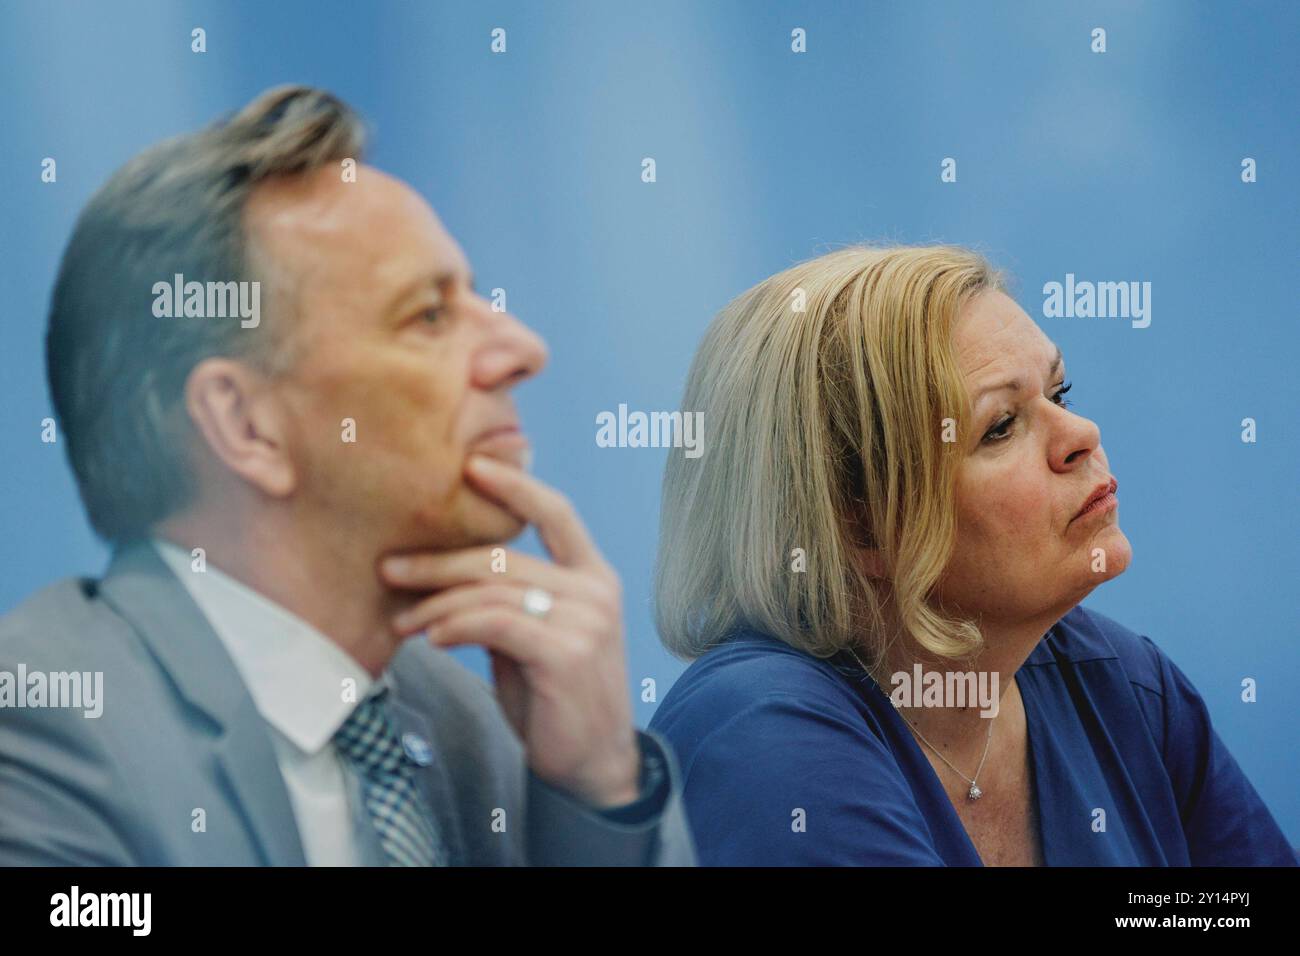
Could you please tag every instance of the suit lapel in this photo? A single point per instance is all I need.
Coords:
(141, 588)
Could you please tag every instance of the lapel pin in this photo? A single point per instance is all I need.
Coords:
(418, 749)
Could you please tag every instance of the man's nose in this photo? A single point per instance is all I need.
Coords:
(511, 353)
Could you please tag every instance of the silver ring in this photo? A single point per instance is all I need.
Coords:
(537, 602)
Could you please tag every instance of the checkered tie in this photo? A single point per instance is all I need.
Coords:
(368, 741)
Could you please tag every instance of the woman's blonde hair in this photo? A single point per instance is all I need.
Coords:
(834, 415)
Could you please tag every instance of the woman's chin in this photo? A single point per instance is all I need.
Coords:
(1108, 556)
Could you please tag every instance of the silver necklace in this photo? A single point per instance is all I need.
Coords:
(974, 793)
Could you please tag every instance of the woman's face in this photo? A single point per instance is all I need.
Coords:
(1026, 471)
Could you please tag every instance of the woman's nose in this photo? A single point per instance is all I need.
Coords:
(1078, 438)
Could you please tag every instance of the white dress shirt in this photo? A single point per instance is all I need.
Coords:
(297, 678)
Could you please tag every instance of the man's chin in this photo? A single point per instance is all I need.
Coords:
(472, 521)
(505, 535)
(492, 524)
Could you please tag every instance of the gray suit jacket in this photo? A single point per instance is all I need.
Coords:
(179, 733)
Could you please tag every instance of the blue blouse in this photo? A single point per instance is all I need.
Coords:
(763, 731)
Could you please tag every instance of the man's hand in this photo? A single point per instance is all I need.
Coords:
(561, 678)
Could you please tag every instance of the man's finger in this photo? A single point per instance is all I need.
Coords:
(558, 525)
(432, 571)
(455, 600)
(519, 636)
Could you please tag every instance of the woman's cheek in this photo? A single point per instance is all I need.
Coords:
(1009, 522)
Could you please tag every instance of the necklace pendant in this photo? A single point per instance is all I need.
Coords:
(974, 793)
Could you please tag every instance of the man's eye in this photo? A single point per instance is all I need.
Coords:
(431, 314)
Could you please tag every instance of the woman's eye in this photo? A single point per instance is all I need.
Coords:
(998, 432)
(431, 314)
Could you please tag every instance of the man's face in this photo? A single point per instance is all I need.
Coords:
(394, 338)
(1025, 473)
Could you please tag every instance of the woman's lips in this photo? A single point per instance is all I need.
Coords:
(1102, 505)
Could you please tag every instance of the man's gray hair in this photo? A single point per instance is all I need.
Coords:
(117, 372)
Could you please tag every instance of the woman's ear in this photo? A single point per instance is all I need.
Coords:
(863, 544)
(242, 423)
(872, 562)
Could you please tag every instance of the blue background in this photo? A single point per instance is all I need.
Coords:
(1115, 166)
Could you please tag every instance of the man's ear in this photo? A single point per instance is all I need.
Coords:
(242, 422)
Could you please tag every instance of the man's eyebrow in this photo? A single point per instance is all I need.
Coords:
(1015, 384)
(431, 280)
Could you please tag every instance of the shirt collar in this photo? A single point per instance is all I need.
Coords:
(302, 683)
